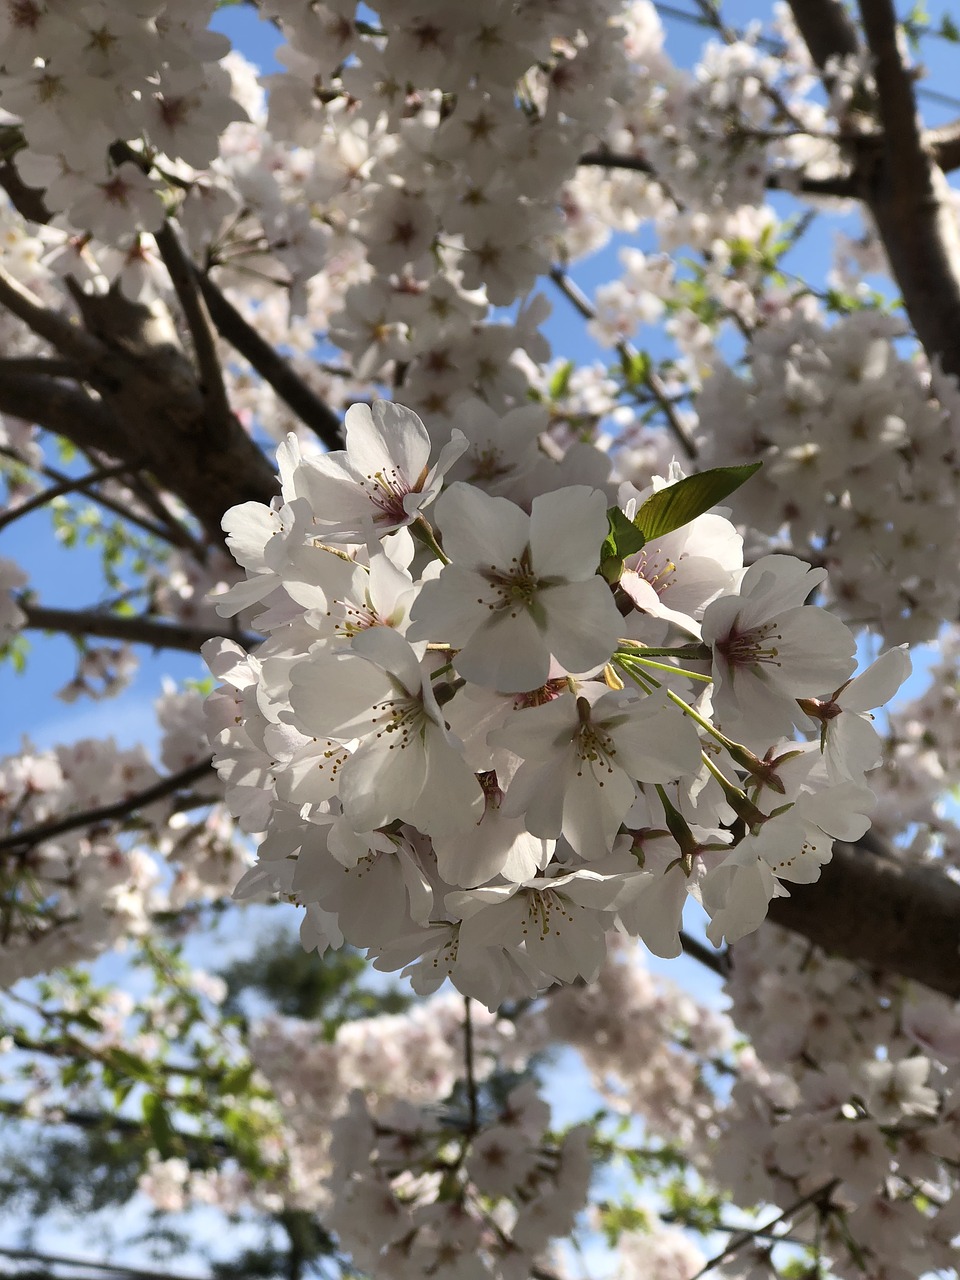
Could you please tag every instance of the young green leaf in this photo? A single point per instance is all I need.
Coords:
(677, 504)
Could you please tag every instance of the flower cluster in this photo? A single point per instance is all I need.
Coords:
(473, 754)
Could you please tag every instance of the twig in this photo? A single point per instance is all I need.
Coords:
(32, 836)
(58, 490)
(175, 535)
(582, 303)
(718, 961)
(839, 186)
(107, 1268)
(136, 630)
(142, 487)
(271, 366)
(184, 279)
(472, 1103)
(819, 1197)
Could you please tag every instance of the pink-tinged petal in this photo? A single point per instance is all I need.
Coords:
(852, 747)
(536, 733)
(567, 529)
(452, 798)
(480, 531)
(536, 795)
(582, 623)
(242, 595)
(775, 583)
(249, 527)
(386, 438)
(656, 742)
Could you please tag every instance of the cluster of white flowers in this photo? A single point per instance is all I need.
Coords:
(860, 470)
(79, 77)
(855, 1085)
(474, 759)
(73, 893)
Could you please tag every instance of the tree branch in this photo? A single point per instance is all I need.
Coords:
(23, 841)
(108, 626)
(69, 339)
(172, 533)
(66, 410)
(840, 186)
(897, 173)
(184, 280)
(271, 366)
(585, 307)
(717, 961)
(882, 913)
(65, 486)
(826, 29)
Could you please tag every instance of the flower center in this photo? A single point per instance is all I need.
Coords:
(402, 716)
(515, 587)
(750, 648)
(387, 490)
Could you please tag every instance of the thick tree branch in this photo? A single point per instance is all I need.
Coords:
(898, 175)
(184, 280)
(68, 338)
(271, 366)
(881, 913)
(108, 626)
(23, 841)
(826, 28)
(64, 409)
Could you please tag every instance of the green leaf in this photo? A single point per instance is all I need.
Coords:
(677, 504)
(560, 380)
(128, 1064)
(623, 540)
(949, 29)
(161, 1130)
(635, 366)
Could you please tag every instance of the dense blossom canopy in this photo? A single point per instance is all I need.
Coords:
(509, 652)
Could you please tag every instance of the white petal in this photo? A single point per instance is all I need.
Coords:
(567, 529)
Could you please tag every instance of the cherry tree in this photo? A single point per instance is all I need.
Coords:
(514, 667)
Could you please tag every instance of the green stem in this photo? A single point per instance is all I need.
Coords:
(422, 529)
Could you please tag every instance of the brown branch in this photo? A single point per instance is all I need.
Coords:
(23, 841)
(826, 28)
(271, 366)
(575, 295)
(839, 186)
(58, 490)
(108, 626)
(911, 202)
(709, 957)
(66, 410)
(184, 280)
(84, 1264)
(881, 913)
(174, 534)
(69, 339)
